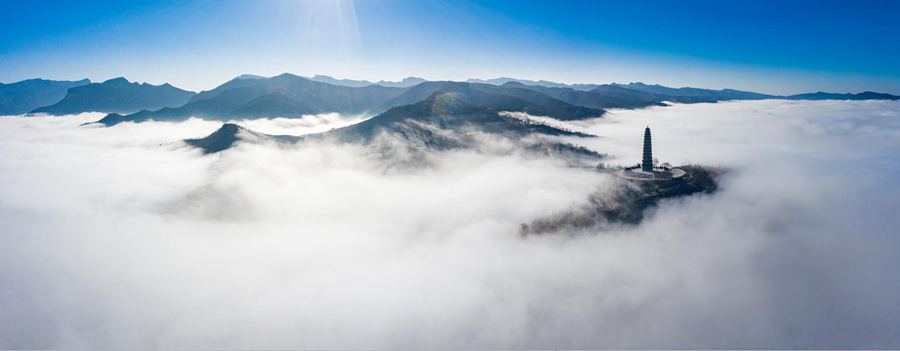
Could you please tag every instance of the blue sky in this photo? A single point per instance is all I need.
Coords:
(768, 46)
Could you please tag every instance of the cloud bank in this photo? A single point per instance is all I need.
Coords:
(124, 238)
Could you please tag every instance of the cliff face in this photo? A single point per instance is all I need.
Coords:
(626, 204)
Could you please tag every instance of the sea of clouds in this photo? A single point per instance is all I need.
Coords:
(123, 237)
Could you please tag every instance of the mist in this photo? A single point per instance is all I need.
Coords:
(124, 237)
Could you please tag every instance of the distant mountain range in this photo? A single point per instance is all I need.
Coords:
(285, 95)
(431, 114)
(405, 83)
(353, 83)
(683, 95)
(505, 98)
(27, 95)
(291, 96)
(601, 97)
(541, 83)
(117, 95)
(866, 95)
(697, 94)
(429, 120)
(444, 120)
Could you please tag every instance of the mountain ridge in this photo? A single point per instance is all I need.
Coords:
(117, 95)
(866, 95)
(444, 110)
(284, 95)
(690, 94)
(543, 83)
(445, 120)
(229, 134)
(698, 93)
(515, 99)
(404, 83)
(24, 96)
(291, 96)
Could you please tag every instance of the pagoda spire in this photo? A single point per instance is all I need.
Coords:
(647, 161)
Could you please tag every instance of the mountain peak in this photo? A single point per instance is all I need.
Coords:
(117, 95)
(413, 79)
(117, 80)
(288, 75)
(249, 76)
(229, 134)
(230, 128)
(405, 83)
(110, 120)
(27, 95)
(222, 139)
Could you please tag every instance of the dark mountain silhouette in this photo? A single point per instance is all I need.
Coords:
(632, 95)
(866, 95)
(405, 83)
(688, 95)
(27, 95)
(117, 95)
(654, 94)
(600, 97)
(230, 134)
(500, 98)
(540, 83)
(429, 119)
(448, 120)
(285, 95)
(441, 121)
(697, 94)
(625, 202)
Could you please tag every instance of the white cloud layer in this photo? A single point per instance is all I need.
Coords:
(123, 238)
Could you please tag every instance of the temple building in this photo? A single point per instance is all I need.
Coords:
(647, 161)
(646, 170)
